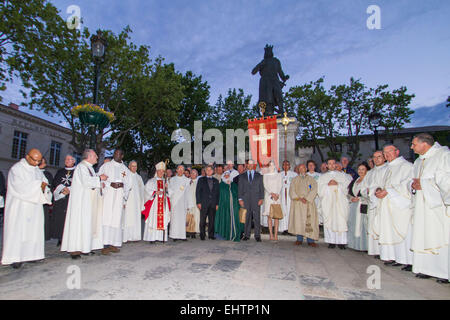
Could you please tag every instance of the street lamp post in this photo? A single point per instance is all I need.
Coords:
(374, 122)
(98, 47)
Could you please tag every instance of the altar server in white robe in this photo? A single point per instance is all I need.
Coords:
(83, 225)
(333, 190)
(157, 208)
(287, 175)
(373, 180)
(180, 202)
(311, 166)
(431, 220)
(392, 222)
(115, 195)
(27, 192)
(132, 230)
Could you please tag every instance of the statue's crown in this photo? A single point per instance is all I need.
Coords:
(267, 47)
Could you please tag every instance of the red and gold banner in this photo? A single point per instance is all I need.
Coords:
(263, 138)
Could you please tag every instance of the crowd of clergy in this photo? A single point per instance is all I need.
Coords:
(388, 207)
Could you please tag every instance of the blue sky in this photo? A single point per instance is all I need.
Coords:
(224, 40)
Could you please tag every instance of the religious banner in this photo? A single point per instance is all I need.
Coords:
(263, 138)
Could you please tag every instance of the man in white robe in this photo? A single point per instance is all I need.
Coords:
(83, 226)
(374, 180)
(431, 220)
(27, 192)
(180, 202)
(157, 208)
(132, 230)
(333, 190)
(311, 166)
(115, 195)
(287, 175)
(193, 209)
(392, 222)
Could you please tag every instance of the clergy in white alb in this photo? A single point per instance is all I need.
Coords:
(431, 221)
(132, 230)
(180, 201)
(193, 209)
(157, 208)
(83, 225)
(286, 178)
(333, 190)
(373, 180)
(27, 192)
(115, 195)
(392, 222)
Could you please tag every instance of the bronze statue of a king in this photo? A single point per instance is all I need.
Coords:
(270, 94)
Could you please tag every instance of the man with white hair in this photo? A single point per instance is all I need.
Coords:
(83, 225)
(134, 206)
(392, 223)
(233, 173)
(157, 208)
(61, 191)
(348, 170)
(431, 197)
(180, 202)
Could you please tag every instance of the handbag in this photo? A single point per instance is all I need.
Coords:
(275, 211)
(190, 223)
(242, 215)
(363, 208)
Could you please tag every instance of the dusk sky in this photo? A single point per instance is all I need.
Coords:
(224, 40)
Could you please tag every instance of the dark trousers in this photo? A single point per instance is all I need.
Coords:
(255, 216)
(210, 212)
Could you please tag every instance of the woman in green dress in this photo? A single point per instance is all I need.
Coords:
(226, 224)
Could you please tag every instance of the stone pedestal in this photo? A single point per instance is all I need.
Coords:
(286, 142)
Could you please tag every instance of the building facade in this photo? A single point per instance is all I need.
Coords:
(20, 132)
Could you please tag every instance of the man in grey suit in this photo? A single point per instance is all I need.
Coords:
(251, 197)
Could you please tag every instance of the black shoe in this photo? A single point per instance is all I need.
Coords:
(16, 265)
(74, 257)
(331, 246)
(193, 236)
(59, 243)
(422, 276)
(174, 240)
(396, 264)
(212, 238)
(388, 263)
(258, 239)
(442, 281)
(245, 239)
(377, 256)
(202, 238)
(407, 267)
(285, 233)
(341, 246)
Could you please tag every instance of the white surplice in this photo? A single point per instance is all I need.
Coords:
(335, 207)
(83, 225)
(373, 180)
(133, 209)
(23, 231)
(113, 201)
(193, 209)
(151, 231)
(180, 201)
(431, 221)
(286, 179)
(392, 222)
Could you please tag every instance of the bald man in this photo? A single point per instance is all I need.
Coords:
(23, 238)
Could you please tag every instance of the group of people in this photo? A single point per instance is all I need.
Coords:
(394, 210)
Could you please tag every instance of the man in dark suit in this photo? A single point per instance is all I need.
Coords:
(251, 197)
(207, 198)
(241, 170)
